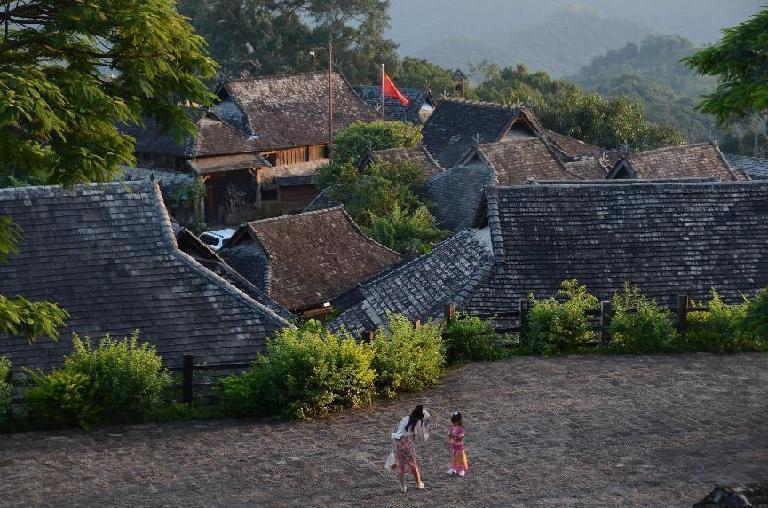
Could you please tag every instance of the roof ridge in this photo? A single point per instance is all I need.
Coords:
(669, 147)
(359, 231)
(289, 216)
(485, 104)
(169, 239)
(705, 181)
(280, 75)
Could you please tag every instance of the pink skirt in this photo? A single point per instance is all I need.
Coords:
(405, 454)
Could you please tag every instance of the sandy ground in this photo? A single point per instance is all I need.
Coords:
(587, 431)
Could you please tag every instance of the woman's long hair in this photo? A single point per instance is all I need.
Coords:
(416, 415)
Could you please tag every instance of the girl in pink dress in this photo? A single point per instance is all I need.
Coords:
(456, 444)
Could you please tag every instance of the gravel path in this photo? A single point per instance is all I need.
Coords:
(655, 430)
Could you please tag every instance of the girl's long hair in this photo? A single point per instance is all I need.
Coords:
(416, 415)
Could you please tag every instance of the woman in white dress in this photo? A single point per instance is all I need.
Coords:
(403, 455)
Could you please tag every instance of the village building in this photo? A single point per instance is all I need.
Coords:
(756, 168)
(418, 155)
(422, 288)
(668, 239)
(457, 124)
(305, 262)
(107, 254)
(419, 108)
(258, 149)
(680, 161)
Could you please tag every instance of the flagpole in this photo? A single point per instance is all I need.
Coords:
(330, 94)
(382, 92)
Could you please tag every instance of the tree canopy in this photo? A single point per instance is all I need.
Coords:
(740, 61)
(263, 37)
(565, 108)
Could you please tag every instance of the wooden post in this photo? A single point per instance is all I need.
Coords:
(525, 306)
(187, 378)
(417, 324)
(606, 315)
(450, 312)
(682, 313)
(367, 337)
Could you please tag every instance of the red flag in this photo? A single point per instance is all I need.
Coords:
(390, 90)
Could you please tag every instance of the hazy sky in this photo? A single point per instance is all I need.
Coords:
(419, 23)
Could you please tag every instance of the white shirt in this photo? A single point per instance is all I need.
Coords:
(421, 429)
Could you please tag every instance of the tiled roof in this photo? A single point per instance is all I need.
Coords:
(702, 159)
(572, 147)
(667, 238)
(108, 255)
(321, 202)
(421, 289)
(170, 181)
(457, 195)
(589, 168)
(416, 154)
(307, 259)
(292, 110)
(517, 160)
(455, 124)
(755, 167)
(393, 110)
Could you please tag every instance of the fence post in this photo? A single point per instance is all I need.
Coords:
(187, 378)
(367, 337)
(525, 306)
(682, 313)
(606, 315)
(450, 312)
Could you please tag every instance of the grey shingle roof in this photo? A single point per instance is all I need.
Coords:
(420, 289)
(455, 123)
(457, 194)
(393, 110)
(292, 110)
(108, 255)
(416, 154)
(755, 167)
(682, 161)
(667, 238)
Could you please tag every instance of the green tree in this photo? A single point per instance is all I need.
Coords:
(410, 233)
(422, 74)
(739, 61)
(567, 109)
(262, 37)
(70, 73)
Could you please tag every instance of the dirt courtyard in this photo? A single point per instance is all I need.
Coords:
(589, 431)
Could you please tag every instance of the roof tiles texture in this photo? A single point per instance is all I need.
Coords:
(683, 161)
(456, 124)
(666, 238)
(107, 254)
(292, 110)
(457, 195)
(516, 161)
(421, 289)
(307, 259)
(416, 154)
(393, 110)
(755, 167)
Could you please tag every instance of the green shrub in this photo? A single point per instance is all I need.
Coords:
(118, 381)
(307, 372)
(724, 328)
(639, 325)
(6, 390)
(407, 358)
(560, 324)
(469, 339)
(755, 321)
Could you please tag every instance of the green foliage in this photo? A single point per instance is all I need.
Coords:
(355, 142)
(407, 358)
(424, 75)
(307, 372)
(6, 389)
(722, 329)
(755, 321)
(263, 38)
(738, 60)
(639, 325)
(560, 324)
(567, 109)
(470, 339)
(409, 233)
(118, 381)
(19, 316)
(71, 73)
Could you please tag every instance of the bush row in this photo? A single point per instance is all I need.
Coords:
(561, 324)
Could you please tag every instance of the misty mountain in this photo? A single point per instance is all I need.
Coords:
(554, 35)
